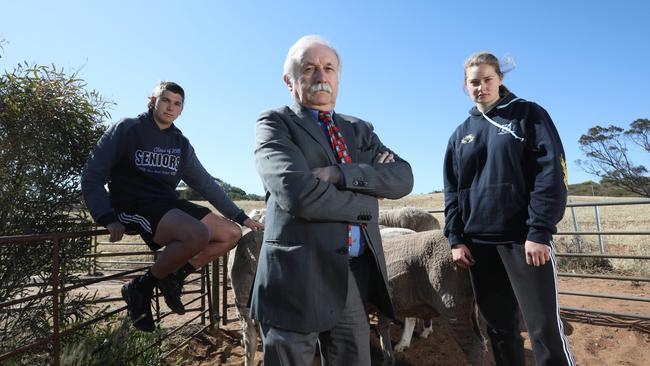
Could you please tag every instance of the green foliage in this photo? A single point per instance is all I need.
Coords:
(604, 188)
(49, 124)
(114, 343)
(609, 157)
(235, 193)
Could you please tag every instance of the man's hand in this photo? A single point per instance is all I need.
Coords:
(253, 225)
(385, 157)
(537, 254)
(330, 174)
(117, 231)
(462, 256)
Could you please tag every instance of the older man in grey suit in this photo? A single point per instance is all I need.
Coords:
(322, 258)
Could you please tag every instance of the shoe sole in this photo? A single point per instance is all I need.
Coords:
(176, 308)
(137, 324)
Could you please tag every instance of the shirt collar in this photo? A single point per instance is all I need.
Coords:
(314, 113)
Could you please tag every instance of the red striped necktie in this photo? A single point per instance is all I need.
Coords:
(336, 139)
(337, 142)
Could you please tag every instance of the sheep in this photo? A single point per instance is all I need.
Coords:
(258, 214)
(391, 232)
(408, 218)
(242, 265)
(424, 283)
(409, 323)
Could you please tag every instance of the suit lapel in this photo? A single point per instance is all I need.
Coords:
(345, 127)
(307, 122)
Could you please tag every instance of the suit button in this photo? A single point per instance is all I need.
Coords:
(342, 251)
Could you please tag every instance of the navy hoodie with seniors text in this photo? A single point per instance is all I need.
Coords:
(142, 163)
(505, 176)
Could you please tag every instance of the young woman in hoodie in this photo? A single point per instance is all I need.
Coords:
(505, 191)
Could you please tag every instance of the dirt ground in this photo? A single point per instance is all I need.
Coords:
(617, 343)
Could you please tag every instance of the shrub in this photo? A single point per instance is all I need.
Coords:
(49, 124)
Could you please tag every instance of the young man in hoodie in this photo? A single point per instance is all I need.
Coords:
(143, 160)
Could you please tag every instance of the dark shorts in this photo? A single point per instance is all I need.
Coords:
(144, 217)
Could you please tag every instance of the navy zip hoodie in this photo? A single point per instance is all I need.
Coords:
(140, 162)
(505, 176)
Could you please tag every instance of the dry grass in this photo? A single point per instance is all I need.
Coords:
(613, 218)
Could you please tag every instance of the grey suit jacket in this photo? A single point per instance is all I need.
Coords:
(301, 281)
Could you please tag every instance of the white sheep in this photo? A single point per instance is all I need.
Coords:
(258, 214)
(426, 327)
(408, 218)
(242, 265)
(425, 283)
(391, 232)
(409, 323)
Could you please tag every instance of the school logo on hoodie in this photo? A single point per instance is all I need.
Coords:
(467, 139)
(160, 160)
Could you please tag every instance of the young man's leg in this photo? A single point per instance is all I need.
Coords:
(223, 236)
(183, 237)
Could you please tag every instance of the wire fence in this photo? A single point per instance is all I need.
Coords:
(201, 295)
(636, 320)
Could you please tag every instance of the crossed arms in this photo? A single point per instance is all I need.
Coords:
(292, 173)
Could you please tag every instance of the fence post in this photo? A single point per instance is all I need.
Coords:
(214, 305)
(204, 273)
(157, 292)
(54, 282)
(93, 259)
(224, 289)
(576, 228)
(601, 240)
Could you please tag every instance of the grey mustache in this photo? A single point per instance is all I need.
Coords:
(320, 87)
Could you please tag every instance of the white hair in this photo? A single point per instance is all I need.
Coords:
(298, 49)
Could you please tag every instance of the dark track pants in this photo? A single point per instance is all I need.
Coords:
(502, 280)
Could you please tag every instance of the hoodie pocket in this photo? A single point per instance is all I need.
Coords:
(495, 208)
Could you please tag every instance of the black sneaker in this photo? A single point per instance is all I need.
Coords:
(171, 288)
(138, 303)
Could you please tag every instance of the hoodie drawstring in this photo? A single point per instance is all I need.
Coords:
(502, 127)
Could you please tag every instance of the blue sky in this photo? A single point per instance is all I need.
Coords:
(584, 61)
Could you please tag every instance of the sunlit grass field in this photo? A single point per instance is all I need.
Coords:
(613, 218)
